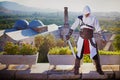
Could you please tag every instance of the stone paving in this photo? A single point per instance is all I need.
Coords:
(43, 71)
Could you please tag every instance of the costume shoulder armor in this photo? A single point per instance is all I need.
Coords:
(80, 17)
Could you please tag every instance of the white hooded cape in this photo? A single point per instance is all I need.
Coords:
(92, 21)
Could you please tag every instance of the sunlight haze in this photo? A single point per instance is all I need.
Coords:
(74, 5)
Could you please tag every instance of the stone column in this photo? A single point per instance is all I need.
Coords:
(65, 27)
(66, 24)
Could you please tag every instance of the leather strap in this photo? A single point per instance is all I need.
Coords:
(92, 43)
(81, 18)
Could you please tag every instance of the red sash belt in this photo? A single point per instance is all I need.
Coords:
(86, 46)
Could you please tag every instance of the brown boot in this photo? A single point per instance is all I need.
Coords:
(98, 67)
(76, 67)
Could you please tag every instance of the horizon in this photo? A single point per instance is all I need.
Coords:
(74, 6)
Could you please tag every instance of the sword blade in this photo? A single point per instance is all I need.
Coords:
(71, 48)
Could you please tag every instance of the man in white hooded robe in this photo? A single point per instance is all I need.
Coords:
(86, 42)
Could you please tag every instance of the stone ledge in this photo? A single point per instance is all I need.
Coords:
(41, 71)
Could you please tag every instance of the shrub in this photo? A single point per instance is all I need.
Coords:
(61, 51)
(86, 58)
(72, 42)
(109, 52)
(39, 41)
(14, 49)
(1, 53)
(60, 43)
(44, 44)
(27, 49)
(116, 43)
(11, 48)
(54, 51)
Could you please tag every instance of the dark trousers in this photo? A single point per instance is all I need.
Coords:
(95, 59)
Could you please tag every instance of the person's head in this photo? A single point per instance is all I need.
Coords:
(86, 11)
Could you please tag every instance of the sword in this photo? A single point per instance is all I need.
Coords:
(70, 45)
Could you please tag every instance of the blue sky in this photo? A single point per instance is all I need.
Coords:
(74, 5)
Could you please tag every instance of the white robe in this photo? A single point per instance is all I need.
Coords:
(92, 21)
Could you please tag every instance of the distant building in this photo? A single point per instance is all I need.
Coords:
(38, 26)
(21, 24)
(24, 32)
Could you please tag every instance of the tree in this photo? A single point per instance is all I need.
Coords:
(116, 42)
(44, 44)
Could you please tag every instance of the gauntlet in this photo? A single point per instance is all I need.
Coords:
(69, 34)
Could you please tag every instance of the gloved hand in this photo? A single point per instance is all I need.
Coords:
(102, 37)
(103, 41)
(67, 37)
(69, 34)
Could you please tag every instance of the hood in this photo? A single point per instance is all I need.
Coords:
(86, 10)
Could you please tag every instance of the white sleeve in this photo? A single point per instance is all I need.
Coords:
(75, 24)
(97, 26)
(98, 29)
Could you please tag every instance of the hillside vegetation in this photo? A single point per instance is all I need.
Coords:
(111, 23)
